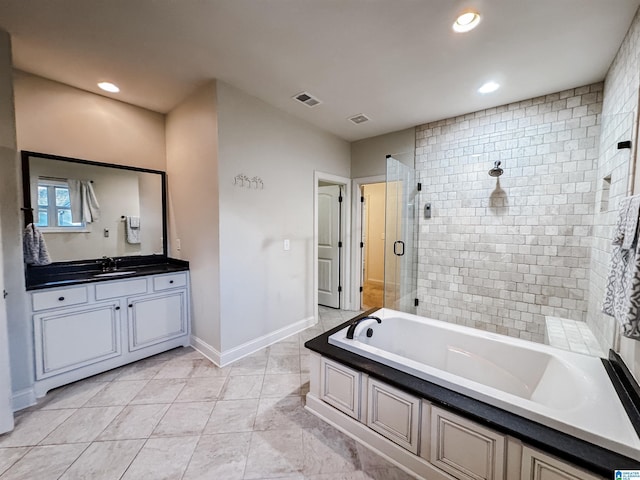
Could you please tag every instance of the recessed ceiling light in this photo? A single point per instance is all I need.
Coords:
(466, 21)
(109, 87)
(489, 87)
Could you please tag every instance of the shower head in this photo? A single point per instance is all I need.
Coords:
(496, 171)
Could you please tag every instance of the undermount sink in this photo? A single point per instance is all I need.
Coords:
(116, 274)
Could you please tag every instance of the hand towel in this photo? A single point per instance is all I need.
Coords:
(132, 227)
(35, 248)
(84, 203)
(622, 291)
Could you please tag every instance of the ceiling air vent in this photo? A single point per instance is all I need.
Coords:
(358, 119)
(307, 99)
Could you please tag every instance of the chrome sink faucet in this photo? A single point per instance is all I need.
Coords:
(109, 264)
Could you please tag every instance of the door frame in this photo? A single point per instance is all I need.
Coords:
(356, 211)
(346, 299)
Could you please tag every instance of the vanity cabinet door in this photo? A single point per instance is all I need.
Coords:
(539, 466)
(393, 414)
(340, 387)
(464, 449)
(66, 339)
(155, 319)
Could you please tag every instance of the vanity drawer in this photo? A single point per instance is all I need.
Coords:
(121, 288)
(165, 282)
(64, 297)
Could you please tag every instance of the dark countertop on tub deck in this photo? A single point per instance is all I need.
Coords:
(62, 274)
(587, 455)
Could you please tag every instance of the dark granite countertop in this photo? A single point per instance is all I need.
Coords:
(574, 450)
(61, 274)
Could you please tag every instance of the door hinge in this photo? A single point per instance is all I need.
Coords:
(339, 288)
(415, 302)
(340, 199)
(339, 244)
(361, 244)
(361, 199)
(419, 187)
(4, 293)
(361, 289)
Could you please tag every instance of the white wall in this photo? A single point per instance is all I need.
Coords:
(192, 170)
(11, 307)
(369, 156)
(262, 287)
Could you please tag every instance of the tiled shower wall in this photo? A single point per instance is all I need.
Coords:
(618, 115)
(502, 253)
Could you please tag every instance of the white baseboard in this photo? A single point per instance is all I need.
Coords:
(23, 398)
(225, 358)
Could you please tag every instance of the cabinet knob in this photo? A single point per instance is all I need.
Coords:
(117, 308)
(131, 305)
(170, 281)
(61, 299)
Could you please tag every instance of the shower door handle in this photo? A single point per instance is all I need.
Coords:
(395, 248)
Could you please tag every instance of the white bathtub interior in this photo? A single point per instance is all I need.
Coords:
(560, 389)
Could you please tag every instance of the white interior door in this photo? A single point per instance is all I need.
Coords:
(6, 410)
(329, 231)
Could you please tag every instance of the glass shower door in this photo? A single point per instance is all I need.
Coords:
(401, 255)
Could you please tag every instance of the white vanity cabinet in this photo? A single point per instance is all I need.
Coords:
(87, 329)
(540, 466)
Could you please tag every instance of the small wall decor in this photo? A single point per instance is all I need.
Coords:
(241, 180)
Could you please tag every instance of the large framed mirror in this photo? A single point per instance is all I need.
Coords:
(88, 210)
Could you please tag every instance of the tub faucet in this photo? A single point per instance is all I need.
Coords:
(108, 264)
(354, 324)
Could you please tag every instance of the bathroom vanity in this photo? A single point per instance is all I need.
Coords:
(110, 295)
(97, 321)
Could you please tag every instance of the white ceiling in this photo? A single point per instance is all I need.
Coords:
(397, 61)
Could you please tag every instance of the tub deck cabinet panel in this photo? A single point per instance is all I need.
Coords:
(464, 449)
(393, 414)
(340, 387)
(539, 466)
(110, 324)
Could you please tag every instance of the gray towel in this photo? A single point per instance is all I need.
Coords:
(622, 291)
(132, 227)
(35, 249)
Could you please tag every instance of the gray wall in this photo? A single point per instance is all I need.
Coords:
(369, 156)
(502, 253)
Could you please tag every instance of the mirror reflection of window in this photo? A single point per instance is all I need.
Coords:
(54, 207)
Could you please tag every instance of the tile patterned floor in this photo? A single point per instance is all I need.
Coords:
(178, 416)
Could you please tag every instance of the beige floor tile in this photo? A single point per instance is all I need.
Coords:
(206, 368)
(71, 396)
(104, 460)
(177, 368)
(180, 353)
(281, 385)
(31, 427)
(135, 421)
(162, 459)
(9, 456)
(251, 365)
(275, 454)
(204, 389)
(117, 393)
(232, 416)
(283, 414)
(242, 387)
(222, 456)
(142, 370)
(338, 476)
(184, 419)
(159, 391)
(285, 348)
(83, 426)
(283, 364)
(326, 450)
(45, 463)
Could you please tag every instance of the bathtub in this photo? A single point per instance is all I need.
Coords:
(563, 390)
